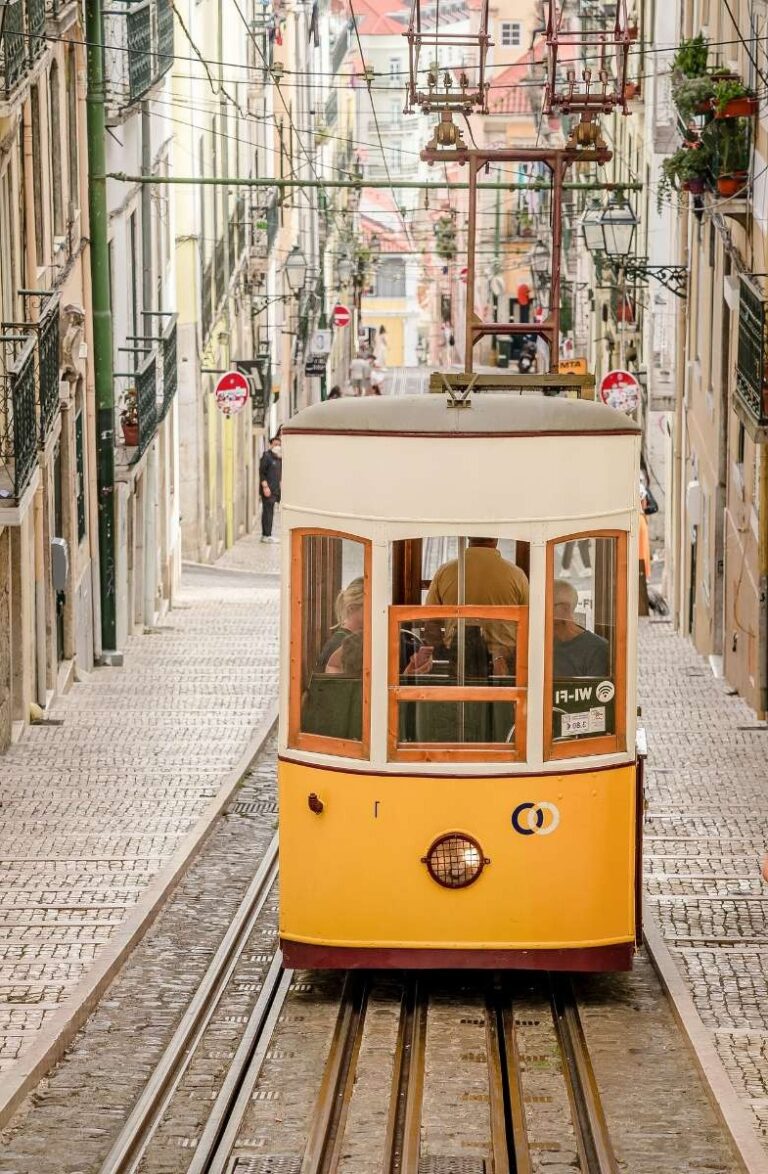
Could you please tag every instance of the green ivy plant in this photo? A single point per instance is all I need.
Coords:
(733, 146)
(692, 161)
(690, 93)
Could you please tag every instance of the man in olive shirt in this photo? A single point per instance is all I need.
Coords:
(488, 579)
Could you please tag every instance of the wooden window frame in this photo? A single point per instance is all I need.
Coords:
(320, 743)
(457, 751)
(603, 743)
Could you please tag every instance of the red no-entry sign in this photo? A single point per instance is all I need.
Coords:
(620, 389)
(341, 315)
(231, 392)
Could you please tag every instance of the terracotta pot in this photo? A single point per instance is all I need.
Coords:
(729, 185)
(634, 32)
(130, 434)
(630, 90)
(738, 108)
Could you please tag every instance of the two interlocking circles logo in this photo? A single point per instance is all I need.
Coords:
(535, 819)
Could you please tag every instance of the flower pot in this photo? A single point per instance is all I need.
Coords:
(630, 90)
(729, 185)
(738, 108)
(130, 434)
(695, 186)
(634, 32)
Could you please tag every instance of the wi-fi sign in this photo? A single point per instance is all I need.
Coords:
(605, 691)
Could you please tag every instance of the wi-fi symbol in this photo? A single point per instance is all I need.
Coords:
(605, 691)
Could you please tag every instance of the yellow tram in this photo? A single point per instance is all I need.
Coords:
(459, 785)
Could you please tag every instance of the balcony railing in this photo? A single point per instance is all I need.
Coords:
(18, 419)
(139, 49)
(206, 299)
(146, 398)
(751, 383)
(170, 367)
(220, 272)
(332, 110)
(22, 42)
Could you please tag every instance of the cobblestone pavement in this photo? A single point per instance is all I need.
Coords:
(93, 808)
(706, 830)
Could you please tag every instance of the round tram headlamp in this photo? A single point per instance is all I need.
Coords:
(455, 860)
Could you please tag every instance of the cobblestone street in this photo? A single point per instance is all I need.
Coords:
(93, 807)
(706, 831)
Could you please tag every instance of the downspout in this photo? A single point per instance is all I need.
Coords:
(102, 322)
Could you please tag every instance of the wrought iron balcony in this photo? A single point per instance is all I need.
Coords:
(170, 366)
(14, 60)
(220, 270)
(35, 28)
(206, 299)
(146, 398)
(751, 383)
(42, 319)
(18, 419)
(138, 49)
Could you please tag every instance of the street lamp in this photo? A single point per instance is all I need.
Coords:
(540, 262)
(591, 228)
(617, 223)
(295, 270)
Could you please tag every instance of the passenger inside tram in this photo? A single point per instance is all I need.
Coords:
(577, 651)
(348, 609)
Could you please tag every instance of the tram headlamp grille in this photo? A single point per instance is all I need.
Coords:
(455, 860)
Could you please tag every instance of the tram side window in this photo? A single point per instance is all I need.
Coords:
(330, 640)
(587, 616)
(458, 649)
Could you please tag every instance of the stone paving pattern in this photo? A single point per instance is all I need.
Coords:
(93, 808)
(705, 833)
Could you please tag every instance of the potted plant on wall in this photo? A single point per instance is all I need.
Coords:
(693, 96)
(732, 99)
(688, 170)
(691, 57)
(733, 155)
(129, 417)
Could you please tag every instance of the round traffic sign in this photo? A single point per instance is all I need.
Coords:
(341, 315)
(620, 389)
(231, 392)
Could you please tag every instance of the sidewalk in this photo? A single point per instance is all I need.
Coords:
(705, 833)
(93, 808)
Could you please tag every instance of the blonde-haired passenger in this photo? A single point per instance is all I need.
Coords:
(349, 612)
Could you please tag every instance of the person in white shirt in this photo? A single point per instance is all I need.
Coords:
(359, 374)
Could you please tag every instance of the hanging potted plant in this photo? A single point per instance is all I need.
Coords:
(129, 417)
(688, 170)
(733, 150)
(732, 99)
(693, 96)
(631, 90)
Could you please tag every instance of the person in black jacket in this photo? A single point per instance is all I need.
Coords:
(270, 475)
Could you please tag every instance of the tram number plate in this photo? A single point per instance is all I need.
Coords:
(591, 721)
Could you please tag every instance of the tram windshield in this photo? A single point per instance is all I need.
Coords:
(587, 614)
(458, 648)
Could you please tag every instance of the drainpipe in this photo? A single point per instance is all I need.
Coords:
(40, 636)
(102, 323)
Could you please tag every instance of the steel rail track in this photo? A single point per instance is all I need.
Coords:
(401, 1147)
(132, 1142)
(595, 1148)
(322, 1150)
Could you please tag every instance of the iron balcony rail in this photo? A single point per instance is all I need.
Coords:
(752, 360)
(146, 399)
(138, 49)
(42, 309)
(170, 367)
(18, 418)
(206, 299)
(22, 41)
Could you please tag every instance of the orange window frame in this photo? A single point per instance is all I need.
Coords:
(602, 743)
(457, 751)
(319, 743)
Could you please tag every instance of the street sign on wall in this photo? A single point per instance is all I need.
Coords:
(620, 389)
(231, 392)
(315, 365)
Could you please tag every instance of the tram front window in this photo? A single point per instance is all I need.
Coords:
(458, 661)
(330, 633)
(587, 616)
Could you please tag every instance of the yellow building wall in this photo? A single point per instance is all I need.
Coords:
(390, 313)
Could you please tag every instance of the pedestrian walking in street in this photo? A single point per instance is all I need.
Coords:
(270, 476)
(359, 374)
(381, 346)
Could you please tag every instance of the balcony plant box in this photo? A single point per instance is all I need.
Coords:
(731, 99)
(129, 417)
(631, 90)
(731, 182)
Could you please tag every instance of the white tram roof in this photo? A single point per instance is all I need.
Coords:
(488, 415)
